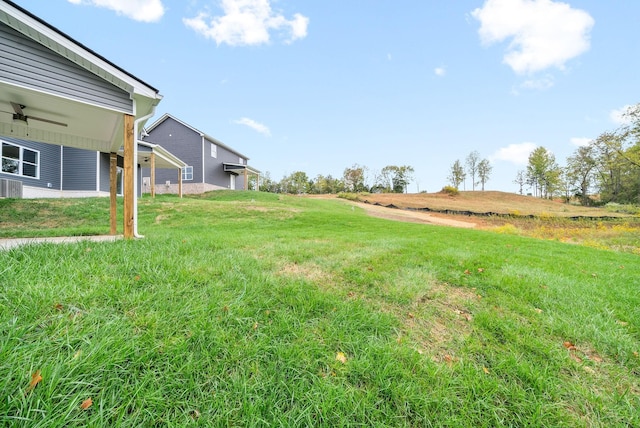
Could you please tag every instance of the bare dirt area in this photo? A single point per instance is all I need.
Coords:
(413, 216)
(479, 202)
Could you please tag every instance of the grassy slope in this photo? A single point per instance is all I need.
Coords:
(234, 308)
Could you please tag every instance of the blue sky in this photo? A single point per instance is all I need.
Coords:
(318, 86)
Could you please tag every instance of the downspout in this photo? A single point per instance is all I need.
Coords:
(203, 170)
(61, 170)
(135, 167)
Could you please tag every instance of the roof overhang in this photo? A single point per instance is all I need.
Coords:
(164, 158)
(237, 169)
(91, 127)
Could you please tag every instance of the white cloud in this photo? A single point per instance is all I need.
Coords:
(542, 83)
(248, 22)
(139, 10)
(542, 33)
(514, 153)
(617, 116)
(581, 141)
(256, 126)
(440, 71)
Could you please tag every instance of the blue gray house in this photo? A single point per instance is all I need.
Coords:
(51, 171)
(57, 91)
(210, 164)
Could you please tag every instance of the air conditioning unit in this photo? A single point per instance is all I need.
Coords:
(10, 188)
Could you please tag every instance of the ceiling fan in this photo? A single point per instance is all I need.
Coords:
(19, 115)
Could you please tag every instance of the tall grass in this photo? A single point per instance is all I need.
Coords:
(246, 309)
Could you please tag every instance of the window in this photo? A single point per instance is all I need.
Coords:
(19, 160)
(214, 151)
(187, 173)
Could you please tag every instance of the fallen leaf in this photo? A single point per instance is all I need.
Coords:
(36, 378)
(622, 323)
(636, 354)
(255, 326)
(136, 278)
(467, 272)
(538, 310)
(450, 359)
(570, 346)
(597, 358)
(195, 414)
(86, 404)
(576, 358)
(410, 315)
(58, 307)
(340, 356)
(480, 270)
(486, 370)
(589, 369)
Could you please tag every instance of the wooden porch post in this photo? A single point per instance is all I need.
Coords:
(127, 178)
(180, 182)
(113, 192)
(246, 180)
(153, 175)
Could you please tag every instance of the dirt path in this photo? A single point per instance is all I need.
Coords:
(411, 216)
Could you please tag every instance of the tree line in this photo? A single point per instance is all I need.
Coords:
(605, 170)
(357, 178)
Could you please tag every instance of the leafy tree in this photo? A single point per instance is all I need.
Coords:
(267, 184)
(543, 173)
(354, 178)
(456, 174)
(296, 183)
(325, 185)
(580, 172)
(484, 171)
(618, 174)
(472, 163)
(395, 178)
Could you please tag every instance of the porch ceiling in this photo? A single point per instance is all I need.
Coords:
(88, 127)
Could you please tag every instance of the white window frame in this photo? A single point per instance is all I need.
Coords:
(214, 151)
(187, 173)
(21, 162)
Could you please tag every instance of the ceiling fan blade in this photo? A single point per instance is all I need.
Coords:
(17, 108)
(45, 120)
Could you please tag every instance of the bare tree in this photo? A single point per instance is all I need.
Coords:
(520, 180)
(484, 171)
(472, 163)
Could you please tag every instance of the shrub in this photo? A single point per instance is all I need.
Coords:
(450, 190)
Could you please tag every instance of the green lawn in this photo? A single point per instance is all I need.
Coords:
(251, 309)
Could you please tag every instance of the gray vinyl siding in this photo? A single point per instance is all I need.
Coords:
(49, 164)
(26, 63)
(215, 168)
(182, 142)
(105, 164)
(79, 169)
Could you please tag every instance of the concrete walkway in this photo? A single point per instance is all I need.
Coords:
(9, 243)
